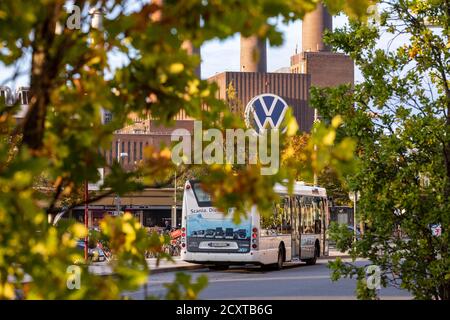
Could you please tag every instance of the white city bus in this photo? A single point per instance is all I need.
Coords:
(295, 230)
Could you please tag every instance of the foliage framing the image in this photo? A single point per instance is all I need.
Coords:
(400, 117)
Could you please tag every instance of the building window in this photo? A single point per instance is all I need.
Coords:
(117, 149)
(140, 150)
(134, 151)
(129, 151)
(107, 116)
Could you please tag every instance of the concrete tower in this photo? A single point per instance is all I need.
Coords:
(326, 68)
(192, 50)
(314, 25)
(186, 45)
(253, 54)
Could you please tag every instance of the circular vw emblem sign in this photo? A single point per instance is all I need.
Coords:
(265, 111)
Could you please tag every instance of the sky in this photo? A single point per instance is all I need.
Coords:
(219, 56)
(223, 56)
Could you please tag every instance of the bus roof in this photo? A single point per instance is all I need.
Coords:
(300, 188)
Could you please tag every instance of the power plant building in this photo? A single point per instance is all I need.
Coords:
(315, 65)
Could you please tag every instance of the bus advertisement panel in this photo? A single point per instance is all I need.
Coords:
(208, 230)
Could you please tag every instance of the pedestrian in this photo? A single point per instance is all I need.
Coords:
(167, 227)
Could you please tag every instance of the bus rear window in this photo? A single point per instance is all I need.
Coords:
(203, 198)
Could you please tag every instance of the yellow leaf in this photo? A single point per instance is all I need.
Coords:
(39, 248)
(204, 93)
(337, 121)
(79, 231)
(193, 86)
(176, 68)
(22, 178)
(292, 127)
(94, 60)
(190, 293)
(165, 153)
(39, 218)
(127, 217)
(329, 138)
(8, 291)
(289, 152)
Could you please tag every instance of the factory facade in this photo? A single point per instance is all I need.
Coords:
(315, 65)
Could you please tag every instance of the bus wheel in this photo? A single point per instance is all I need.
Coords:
(280, 259)
(313, 261)
(278, 265)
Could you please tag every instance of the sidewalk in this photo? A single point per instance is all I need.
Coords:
(166, 266)
(102, 268)
(334, 253)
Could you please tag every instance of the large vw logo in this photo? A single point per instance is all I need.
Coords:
(265, 111)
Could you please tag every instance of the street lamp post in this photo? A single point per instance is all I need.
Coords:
(174, 211)
(96, 23)
(120, 155)
(316, 119)
(354, 195)
(86, 225)
(354, 215)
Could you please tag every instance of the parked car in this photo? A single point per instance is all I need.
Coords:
(94, 254)
(358, 233)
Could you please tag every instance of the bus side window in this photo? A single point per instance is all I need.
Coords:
(319, 213)
(280, 220)
(280, 215)
(286, 224)
(307, 215)
(296, 212)
(269, 224)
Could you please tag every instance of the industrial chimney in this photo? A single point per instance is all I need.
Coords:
(192, 50)
(253, 54)
(314, 25)
(186, 45)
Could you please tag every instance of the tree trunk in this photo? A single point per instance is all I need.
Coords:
(44, 69)
(444, 291)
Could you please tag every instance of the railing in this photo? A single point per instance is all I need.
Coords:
(20, 96)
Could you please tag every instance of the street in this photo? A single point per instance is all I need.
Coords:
(293, 282)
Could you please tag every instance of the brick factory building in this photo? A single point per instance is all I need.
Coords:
(316, 65)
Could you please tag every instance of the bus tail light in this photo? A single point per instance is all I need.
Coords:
(183, 237)
(255, 238)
